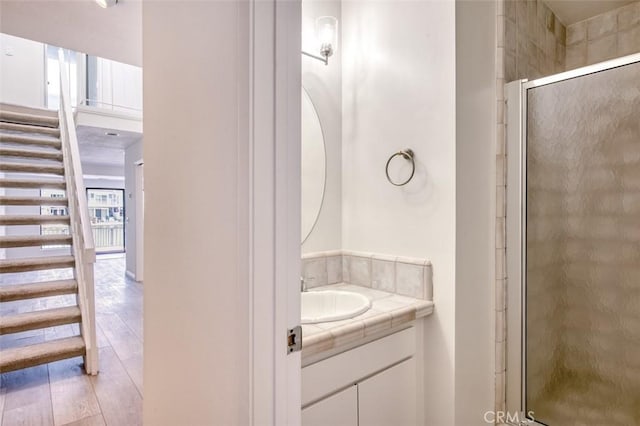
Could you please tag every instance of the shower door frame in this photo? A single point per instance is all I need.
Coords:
(516, 227)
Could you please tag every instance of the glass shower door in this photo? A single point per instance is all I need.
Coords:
(582, 250)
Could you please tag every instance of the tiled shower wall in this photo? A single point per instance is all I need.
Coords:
(534, 40)
(606, 36)
(532, 43)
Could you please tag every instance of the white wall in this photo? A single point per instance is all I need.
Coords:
(131, 155)
(399, 92)
(22, 76)
(196, 309)
(324, 85)
(113, 33)
(475, 210)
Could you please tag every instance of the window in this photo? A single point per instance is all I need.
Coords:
(53, 76)
(106, 211)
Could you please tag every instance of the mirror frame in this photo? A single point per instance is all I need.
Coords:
(324, 186)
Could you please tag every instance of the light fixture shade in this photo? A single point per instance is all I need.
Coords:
(106, 3)
(327, 32)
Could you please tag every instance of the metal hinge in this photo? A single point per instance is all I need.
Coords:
(294, 339)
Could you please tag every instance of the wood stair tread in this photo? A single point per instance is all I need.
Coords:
(8, 220)
(39, 319)
(12, 241)
(37, 168)
(9, 293)
(41, 353)
(36, 263)
(23, 139)
(33, 183)
(27, 128)
(30, 153)
(23, 109)
(27, 118)
(32, 201)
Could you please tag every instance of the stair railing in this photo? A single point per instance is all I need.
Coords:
(82, 237)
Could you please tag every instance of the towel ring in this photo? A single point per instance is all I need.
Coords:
(407, 154)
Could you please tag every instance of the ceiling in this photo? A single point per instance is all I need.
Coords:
(572, 11)
(81, 25)
(97, 147)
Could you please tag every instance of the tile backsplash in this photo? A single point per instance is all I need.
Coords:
(393, 274)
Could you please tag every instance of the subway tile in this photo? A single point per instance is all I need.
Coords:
(500, 62)
(500, 349)
(500, 170)
(501, 210)
(518, 12)
(314, 272)
(629, 41)
(410, 280)
(501, 330)
(510, 37)
(509, 9)
(500, 232)
(560, 32)
(334, 269)
(346, 265)
(576, 33)
(629, 16)
(532, 16)
(360, 271)
(510, 67)
(500, 263)
(602, 25)
(500, 295)
(602, 49)
(561, 53)
(383, 275)
(500, 139)
(377, 323)
(500, 395)
(576, 55)
(500, 88)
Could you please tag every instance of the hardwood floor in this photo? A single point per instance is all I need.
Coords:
(60, 393)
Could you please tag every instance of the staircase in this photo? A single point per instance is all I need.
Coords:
(38, 151)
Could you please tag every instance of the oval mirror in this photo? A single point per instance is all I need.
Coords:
(313, 166)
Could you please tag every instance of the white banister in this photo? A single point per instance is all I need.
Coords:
(83, 245)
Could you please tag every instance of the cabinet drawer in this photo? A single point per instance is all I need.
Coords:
(389, 397)
(340, 409)
(345, 369)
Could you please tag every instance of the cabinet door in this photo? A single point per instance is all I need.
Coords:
(340, 409)
(389, 398)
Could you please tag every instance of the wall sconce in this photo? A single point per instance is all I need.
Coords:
(106, 3)
(327, 35)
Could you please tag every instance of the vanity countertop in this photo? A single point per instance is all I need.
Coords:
(388, 310)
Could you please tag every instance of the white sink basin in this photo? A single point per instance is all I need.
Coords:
(332, 305)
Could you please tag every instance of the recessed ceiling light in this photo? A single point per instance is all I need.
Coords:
(106, 3)
(112, 134)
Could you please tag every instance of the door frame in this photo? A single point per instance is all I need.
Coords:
(516, 94)
(274, 208)
(139, 225)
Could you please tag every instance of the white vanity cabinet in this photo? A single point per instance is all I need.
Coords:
(340, 409)
(370, 385)
(389, 397)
